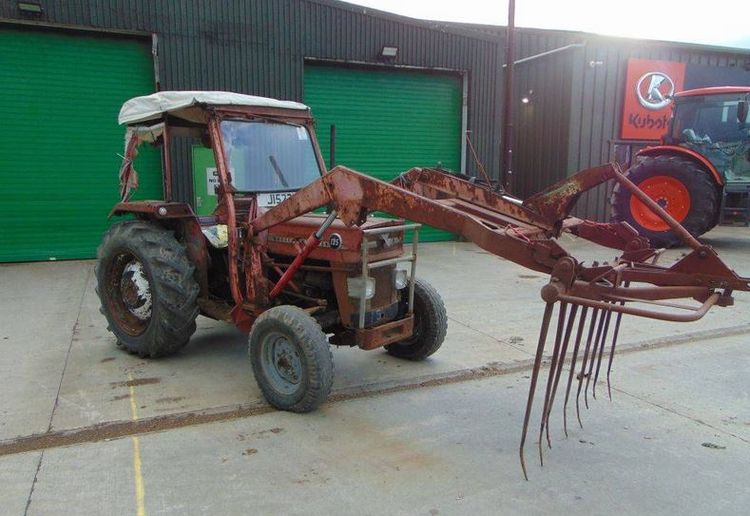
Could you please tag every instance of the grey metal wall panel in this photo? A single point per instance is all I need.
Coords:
(541, 127)
(260, 47)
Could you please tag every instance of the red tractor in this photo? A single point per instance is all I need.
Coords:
(292, 256)
(706, 152)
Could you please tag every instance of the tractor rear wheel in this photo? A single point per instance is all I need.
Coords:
(147, 290)
(679, 185)
(430, 325)
(291, 359)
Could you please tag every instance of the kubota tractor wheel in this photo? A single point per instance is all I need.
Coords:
(679, 185)
(291, 359)
(146, 287)
(430, 325)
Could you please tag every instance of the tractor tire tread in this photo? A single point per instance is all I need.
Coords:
(428, 302)
(312, 342)
(175, 290)
(705, 196)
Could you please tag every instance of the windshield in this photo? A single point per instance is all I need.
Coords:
(269, 156)
(709, 126)
(709, 119)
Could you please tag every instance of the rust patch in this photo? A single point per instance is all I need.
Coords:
(136, 381)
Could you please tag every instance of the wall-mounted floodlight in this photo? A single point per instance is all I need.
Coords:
(30, 8)
(389, 52)
(526, 99)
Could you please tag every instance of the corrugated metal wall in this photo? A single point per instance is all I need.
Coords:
(260, 47)
(540, 135)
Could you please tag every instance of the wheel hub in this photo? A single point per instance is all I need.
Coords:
(282, 363)
(136, 290)
(669, 193)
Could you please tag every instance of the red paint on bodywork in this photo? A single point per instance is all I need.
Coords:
(715, 90)
(682, 151)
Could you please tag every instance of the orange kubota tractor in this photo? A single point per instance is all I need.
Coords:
(298, 280)
(705, 154)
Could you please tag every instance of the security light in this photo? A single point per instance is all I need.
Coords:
(389, 52)
(30, 8)
(526, 99)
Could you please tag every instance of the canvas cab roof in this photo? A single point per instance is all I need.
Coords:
(187, 105)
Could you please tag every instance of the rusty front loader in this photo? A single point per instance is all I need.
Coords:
(297, 281)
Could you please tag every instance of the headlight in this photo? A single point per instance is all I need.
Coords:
(400, 278)
(355, 287)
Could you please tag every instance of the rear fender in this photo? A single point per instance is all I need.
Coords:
(180, 218)
(682, 151)
(153, 209)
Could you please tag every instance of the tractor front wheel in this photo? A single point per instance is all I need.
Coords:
(291, 359)
(679, 185)
(430, 325)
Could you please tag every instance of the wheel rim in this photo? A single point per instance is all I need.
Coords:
(281, 362)
(129, 294)
(670, 193)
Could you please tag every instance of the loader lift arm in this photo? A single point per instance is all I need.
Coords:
(522, 232)
(525, 232)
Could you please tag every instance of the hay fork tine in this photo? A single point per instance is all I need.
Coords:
(612, 353)
(614, 343)
(599, 329)
(573, 358)
(556, 351)
(607, 319)
(532, 384)
(592, 326)
(560, 362)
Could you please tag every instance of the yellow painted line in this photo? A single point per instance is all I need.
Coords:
(140, 492)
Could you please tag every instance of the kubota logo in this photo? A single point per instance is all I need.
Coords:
(654, 90)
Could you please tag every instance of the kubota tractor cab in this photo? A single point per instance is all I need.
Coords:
(156, 273)
(706, 150)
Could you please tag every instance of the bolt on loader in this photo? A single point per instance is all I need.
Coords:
(292, 256)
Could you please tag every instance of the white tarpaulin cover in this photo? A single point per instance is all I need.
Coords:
(150, 107)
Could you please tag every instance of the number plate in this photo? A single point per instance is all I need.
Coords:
(269, 200)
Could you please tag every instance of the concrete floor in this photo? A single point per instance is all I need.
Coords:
(674, 440)
(61, 371)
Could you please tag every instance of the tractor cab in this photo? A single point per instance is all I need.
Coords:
(268, 145)
(715, 123)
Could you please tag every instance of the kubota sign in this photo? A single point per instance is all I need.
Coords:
(649, 86)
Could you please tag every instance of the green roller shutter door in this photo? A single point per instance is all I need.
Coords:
(387, 121)
(60, 94)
